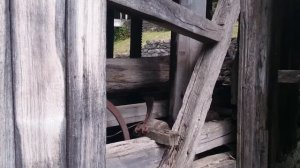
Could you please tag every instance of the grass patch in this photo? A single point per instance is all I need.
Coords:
(123, 46)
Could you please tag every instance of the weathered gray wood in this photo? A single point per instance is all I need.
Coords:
(137, 112)
(143, 152)
(86, 95)
(173, 16)
(187, 53)
(197, 99)
(126, 74)
(39, 82)
(222, 160)
(289, 76)
(255, 35)
(7, 145)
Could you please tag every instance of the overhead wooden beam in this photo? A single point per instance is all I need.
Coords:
(289, 76)
(38, 49)
(198, 96)
(183, 62)
(143, 152)
(86, 96)
(7, 142)
(254, 57)
(173, 16)
(127, 74)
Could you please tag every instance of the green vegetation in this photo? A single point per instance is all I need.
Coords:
(121, 33)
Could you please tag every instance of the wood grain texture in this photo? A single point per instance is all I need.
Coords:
(255, 35)
(86, 97)
(7, 145)
(137, 112)
(126, 74)
(173, 16)
(222, 160)
(39, 82)
(198, 96)
(187, 52)
(143, 152)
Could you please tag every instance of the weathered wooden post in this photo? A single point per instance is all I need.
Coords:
(7, 156)
(253, 83)
(86, 96)
(52, 83)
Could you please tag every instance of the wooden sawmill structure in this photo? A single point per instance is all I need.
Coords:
(59, 82)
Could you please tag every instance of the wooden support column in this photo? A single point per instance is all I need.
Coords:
(136, 33)
(253, 83)
(7, 144)
(110, 32)
(197, 99)
(187, 53)
(86, 92)
(38, 49)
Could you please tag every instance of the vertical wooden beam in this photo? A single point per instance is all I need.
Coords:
(253, 83)
(136, 37)
(39, 82)
(7, 148)
(86, 95)
(110, 32)
(183, 63)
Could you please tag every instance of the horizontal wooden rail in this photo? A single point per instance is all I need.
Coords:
(289, 76)
(127, 74)
(173, 16)
(143, 152)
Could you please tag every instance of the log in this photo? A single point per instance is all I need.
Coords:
(143, 152)
(183, 62)
(127, 74)
(198, 96)
(137, 112)
(289, 76)
(173, 16)
(222, 160)
(39, 82)
(253, 102)
(86, 96)
(7, 145)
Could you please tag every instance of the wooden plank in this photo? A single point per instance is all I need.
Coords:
(86, 97)
(39, 82)
(173, 16)
(7, 145)
(137, 112)
(253, 83)
(126, 74)
(289, 76)
(197, 99)
(222, 160)
(143, 152)
(187, 53)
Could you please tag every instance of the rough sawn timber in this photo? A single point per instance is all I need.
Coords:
(7, 144)
(135, 73)
(173, 16)
(143, 152)
(183, 62)
(198, 96)
(222, 160)
(86, 97)
(39, 82)
(253, 102)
